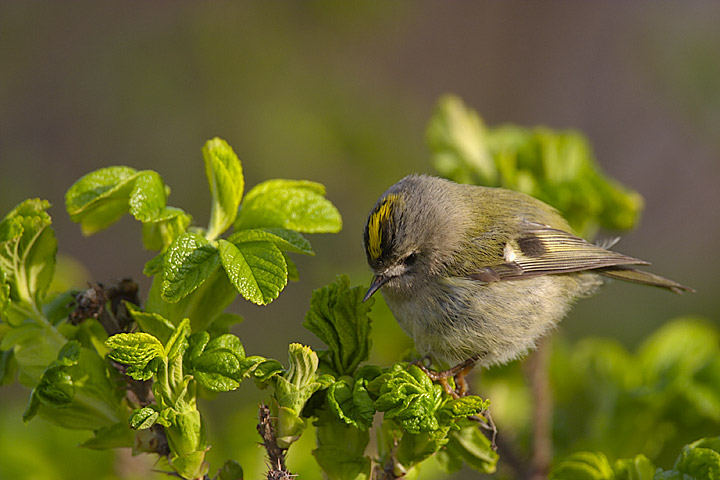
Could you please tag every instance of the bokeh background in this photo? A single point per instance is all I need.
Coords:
(340, 93)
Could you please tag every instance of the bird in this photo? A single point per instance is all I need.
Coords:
(477, 275)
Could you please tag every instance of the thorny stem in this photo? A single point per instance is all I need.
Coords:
(277, 470)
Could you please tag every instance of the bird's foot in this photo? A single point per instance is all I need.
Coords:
(458, 372)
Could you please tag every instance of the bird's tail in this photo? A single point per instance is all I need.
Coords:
(646, 278)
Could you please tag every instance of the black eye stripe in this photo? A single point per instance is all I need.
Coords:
(410, 259)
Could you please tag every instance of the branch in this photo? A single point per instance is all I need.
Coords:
(277, 470)
(542, 410)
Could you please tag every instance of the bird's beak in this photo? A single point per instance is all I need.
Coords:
(377, 282)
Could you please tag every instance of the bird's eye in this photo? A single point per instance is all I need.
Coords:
(410, 259)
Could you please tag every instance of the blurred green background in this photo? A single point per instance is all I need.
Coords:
(340, 93)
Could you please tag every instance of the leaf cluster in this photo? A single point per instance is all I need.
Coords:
(699, 460)
(652, 401)
(419, 419)
(267, 223)
(557, 167)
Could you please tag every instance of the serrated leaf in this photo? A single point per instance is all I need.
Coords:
(292, 204)
(696, 462)
(341, 448)
(267, 369)
(152, 323)
(167, 225)
(27, 253)
(225, 177)
(189, 261)
(351, 403)
(137, 350)
(178, 342)
(55, 387)
(293, 274)
(100, 198)
(408, 397)
(147, 197)
(256, 269)
(217, 365)
(205, 303)
(470, 446)
(462, 407)
(143, 418)
(285, 240)
(339, 318)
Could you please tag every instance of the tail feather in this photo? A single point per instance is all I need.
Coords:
(646, 278)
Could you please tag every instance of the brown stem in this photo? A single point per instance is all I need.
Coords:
(537, 366)
(277, 470)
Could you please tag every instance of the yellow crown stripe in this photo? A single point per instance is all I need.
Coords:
(378, 218)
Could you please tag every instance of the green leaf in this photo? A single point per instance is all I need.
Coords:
(221, 323)
(415, 448)
(462, 407)
(74, 391)
(408, 397)
(178, 342)
(293, 389)
(457, 138)
(293, 274)
(225, 177)
(699, 460)
(147, 197)
(8, 367)
(557, 167)
(638, 468)
(161, 230)
(582, 466)
(137, 351)
(117, 435)
(208, 301)
(351, 403)
(339, 318)
(143, 418)
(154, 265)
(266, 370)
(189, 261)
(231, 470)
(256, 269)
(285, 240)
(219, 364)
(152, 323)
(5, 293)
(27, 253)
(292, 204)
(470, 446)
(341, 448)
(100, 198)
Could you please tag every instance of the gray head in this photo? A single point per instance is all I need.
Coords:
(412, 232)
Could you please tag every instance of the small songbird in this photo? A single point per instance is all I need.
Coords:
(477, 275)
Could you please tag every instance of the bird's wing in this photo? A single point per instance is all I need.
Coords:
(543, 250)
